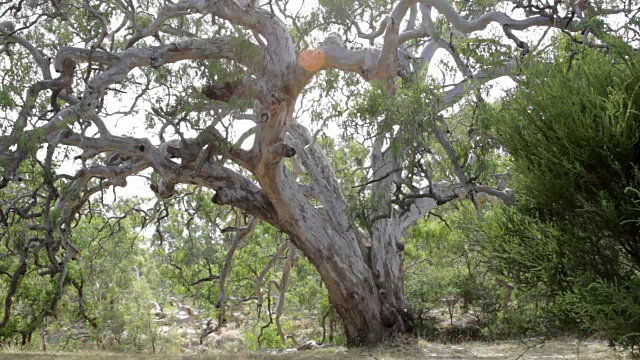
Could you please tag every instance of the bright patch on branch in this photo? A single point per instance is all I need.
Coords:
(312, 60)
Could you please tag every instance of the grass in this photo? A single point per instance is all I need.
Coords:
(556, 349)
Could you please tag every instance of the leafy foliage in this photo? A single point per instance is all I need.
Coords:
(573, 132)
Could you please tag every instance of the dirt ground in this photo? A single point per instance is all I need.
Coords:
(533, 349)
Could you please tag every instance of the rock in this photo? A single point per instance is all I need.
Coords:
(308, 346)
(341, 350)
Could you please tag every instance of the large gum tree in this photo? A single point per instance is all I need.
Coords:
(192, 67)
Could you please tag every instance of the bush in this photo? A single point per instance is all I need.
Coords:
(572, 130)
(611, 308)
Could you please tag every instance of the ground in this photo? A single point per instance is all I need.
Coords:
(532, 349)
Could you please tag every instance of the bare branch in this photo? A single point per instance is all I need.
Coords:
(283, 289)
(263, 273)
(240, 235)
(13, 287)
(183, 7)
(7, 30)
(480, 23)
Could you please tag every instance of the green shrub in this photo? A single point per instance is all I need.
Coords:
(572, 130)
(611, 308)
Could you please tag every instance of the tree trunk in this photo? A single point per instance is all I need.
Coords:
(363, 278)
(371, 309)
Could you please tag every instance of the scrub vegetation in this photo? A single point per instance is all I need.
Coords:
(396, 179)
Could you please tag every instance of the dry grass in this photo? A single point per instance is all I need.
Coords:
(557, 349)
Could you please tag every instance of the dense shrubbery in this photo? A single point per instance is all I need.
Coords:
(573, 133)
